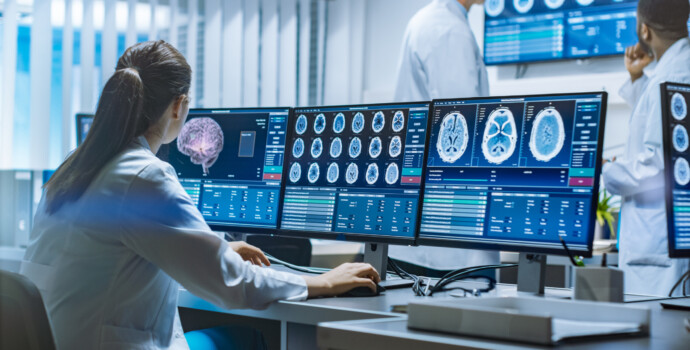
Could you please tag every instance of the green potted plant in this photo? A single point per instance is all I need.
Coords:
(607, 213)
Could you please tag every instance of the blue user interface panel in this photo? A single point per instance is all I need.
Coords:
(518, 31)
(230, 162)
(675, 98)
(513, 173)
(355, 171)
(84, 122)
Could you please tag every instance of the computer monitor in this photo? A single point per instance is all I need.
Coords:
(674, 106)
(84, 122)
(230, 161)
(354, 172)
(514, 173)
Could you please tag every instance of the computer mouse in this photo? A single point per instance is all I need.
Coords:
(362, 292)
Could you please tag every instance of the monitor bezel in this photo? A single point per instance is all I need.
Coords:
(526, 247)
(668, 172)
(80, 117)
(356, 237)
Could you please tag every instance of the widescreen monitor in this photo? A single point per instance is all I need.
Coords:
(84, 122)
(355, 172)
(674, 104)
(230, 162)
(514, 173)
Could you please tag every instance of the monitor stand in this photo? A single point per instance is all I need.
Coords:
(376, 254)
(531, 276)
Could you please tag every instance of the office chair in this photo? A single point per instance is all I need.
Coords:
(23, 318)
(293, 250)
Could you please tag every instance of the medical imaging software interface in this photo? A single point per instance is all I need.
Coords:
(355, 170)
(230, 162)
(515, 172)
(676, 103)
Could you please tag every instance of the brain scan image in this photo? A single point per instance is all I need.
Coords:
(452, 137)
(339, 123)
(375, 147)
(358, 123)
(679, 107)
(298, 148)
(355, 147)
(316, 147)
(202, 140)
(523, 6)
(398, 121)
(494, 7)
(301, 125)
(681, 171)
(548, 135)
(500, 136)
(352, 173)
(336, 147)
(378, 122)
(554, 4)
(372, 173)
(332, 173)
(320, 123)
(585, 2)
(395, 147)
(295, 172)
(313, 174)
(392, 173)
(680, 138)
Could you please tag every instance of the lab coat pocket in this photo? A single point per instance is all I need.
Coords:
(116, 338)
(656, 260)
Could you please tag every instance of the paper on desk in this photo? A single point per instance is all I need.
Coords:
(569, 329)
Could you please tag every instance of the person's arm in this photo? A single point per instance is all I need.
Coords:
(636, 60)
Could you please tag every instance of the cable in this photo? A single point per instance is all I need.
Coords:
(462, 274)
(680, 281)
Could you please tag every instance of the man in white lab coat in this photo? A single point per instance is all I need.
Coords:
(638, 176)
(441, 59)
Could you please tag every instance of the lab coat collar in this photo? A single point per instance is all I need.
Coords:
(141, 141)
(455, 7)
(672, 52)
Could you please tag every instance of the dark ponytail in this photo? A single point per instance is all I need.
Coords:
(148, 78)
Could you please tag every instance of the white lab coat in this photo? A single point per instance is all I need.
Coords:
(440, 59)
(638, 177)
(108, 265)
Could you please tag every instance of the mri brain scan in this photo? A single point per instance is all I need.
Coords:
(355, 147)
(494, 7)
(320, 123)
(680, 138)
(295, 172)
(585, 2)
(395, 148)
(358, 123)
(375, 147)
(352, 173)
(452, 137)
(679, 107)
(336, 147)
(301, 125)
(332, 173)
(392, 173)
(554, 4)
(681, 171)
(398, 121)
(339, 123)
(523, 6)
(372, 173)
(316, 147)
(500, 136)
(202, 140)
(548, 135)
(313, 174)
(298, 148)
(378, 122)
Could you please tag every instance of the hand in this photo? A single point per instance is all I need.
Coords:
(636, 59)
(250, 253)
(343, 278)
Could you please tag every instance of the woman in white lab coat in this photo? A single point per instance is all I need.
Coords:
(638, 176)
(116, 234)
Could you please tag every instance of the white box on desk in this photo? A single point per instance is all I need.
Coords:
(528, 319)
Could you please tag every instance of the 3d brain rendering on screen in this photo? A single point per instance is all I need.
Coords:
(313, 173)
(681, 171)
(378, 122)
(355, 147)
(679, 107)
(398, 121)
(395, 147)
(332, 173)
(316, 147)
(301, 125)
(392, 173)
(523, 6)
(375, 147)
(295, 172)
(320, 123)
(339, 123)
(372, 173)
(336, 147)
(358, 123)
(554, 4)
(500, 136)
(298, 148)
(452, 137)
(202, 140)
(548, 135)
(494, 8)
(680, 138)
(352, 173)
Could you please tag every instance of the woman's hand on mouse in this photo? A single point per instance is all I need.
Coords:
(343, 278)
(250, 253)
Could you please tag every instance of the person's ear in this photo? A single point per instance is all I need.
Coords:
(645, 32)
(179, 107)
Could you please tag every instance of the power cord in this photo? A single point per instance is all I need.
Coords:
(463, 274)
(682, 280)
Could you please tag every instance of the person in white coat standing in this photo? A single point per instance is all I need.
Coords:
(115, 234)
(638, 176)
(441, 59)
